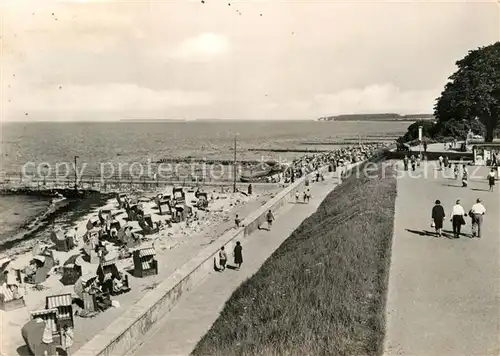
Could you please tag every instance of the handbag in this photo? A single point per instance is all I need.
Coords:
(462, 220)
(433, 224)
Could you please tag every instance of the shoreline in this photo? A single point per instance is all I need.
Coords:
(70, 212)
(19, 242)
(173, 246)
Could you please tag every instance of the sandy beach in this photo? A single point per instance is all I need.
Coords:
(174, 246)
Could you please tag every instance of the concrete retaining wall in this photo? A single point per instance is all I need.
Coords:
(126, 331)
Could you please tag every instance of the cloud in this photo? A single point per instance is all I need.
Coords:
(186, 59)
(377, 99)
(202, 48)
(107, 98)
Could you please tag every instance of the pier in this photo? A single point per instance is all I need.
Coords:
(16, 184)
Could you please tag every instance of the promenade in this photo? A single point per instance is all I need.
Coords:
(194, 314)
(443, 295)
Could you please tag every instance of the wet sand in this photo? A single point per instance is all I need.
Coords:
(17, 211)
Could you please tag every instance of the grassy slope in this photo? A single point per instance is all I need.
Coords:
(323, 291)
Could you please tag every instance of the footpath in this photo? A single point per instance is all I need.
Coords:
(195, 313)
(443, 295)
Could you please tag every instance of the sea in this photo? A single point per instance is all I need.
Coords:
(113, 143)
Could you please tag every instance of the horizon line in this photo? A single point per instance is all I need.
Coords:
(125, 120)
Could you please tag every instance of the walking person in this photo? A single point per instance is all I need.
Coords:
(441, 162)
(425, 147)
(270, 219)
(438, 216)
(222, 259)
(237, 221)
(477, 211)
(413, 162)
(405, 162)
(491, 179)
(456, 170)
(238, 255)
(465, 177)
(297, 196)
(446, 162)
(457, 218)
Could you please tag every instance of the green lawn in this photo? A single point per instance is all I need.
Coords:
(323, 291)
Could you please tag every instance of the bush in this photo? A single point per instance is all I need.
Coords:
(323, 290)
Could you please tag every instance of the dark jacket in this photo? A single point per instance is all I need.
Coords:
(438, 212)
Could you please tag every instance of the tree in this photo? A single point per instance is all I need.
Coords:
(428, 130)
(459, 128)
(473, 91)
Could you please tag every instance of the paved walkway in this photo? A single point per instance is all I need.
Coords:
(443, 293)
(436, 147)
(195, 313)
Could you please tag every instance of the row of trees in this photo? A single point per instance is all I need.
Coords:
(470, 100)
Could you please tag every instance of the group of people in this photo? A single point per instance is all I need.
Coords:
(451, 145)
(457, 218)
(415, 161)
(306, 196)
(237, 254)
(337, 158)
(238, 249)
(445, 164)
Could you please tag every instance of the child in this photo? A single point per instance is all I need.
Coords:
(222, 259)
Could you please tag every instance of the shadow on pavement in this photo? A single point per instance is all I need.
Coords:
(422, 232)
(450, 234)
(445, 233)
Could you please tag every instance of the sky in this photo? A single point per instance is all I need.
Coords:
(105, 60)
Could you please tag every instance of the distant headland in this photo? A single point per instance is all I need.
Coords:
(378, 117)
